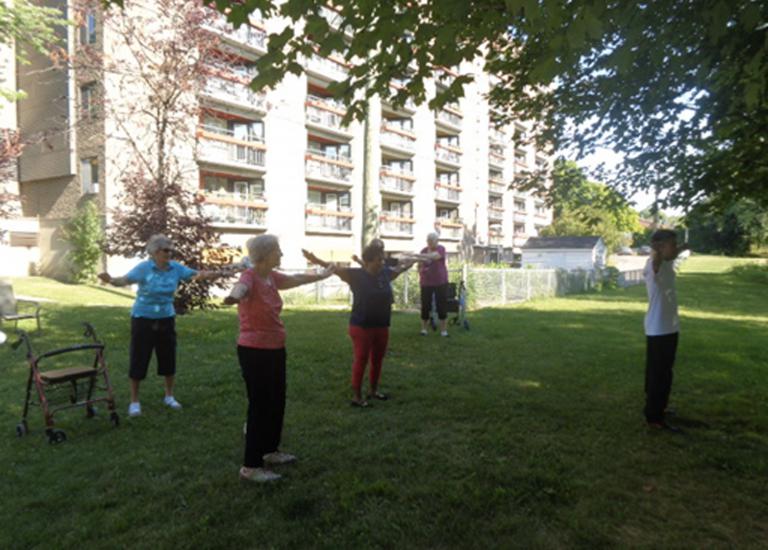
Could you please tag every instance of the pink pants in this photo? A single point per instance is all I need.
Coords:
(368, 343)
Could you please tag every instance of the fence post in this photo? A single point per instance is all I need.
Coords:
(527, 284)
(503, 286)
(405, 290)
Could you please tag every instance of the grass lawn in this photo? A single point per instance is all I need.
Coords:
(524, 432)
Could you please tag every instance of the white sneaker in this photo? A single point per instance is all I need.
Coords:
(444, 334)
(134, 409)
(277, 458)
(423, 332)
(259, 475)
(171, 402)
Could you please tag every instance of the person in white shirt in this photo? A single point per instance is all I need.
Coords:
(662, 326)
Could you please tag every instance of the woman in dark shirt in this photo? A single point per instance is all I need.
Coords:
(371, 311)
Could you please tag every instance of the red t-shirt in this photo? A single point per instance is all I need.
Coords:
(259, 311)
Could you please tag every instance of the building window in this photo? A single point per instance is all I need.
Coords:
(519, 229)
(239, 189)
(87, 101)
(519, 205)
(89, 175)
(88, 29)
(541, 209)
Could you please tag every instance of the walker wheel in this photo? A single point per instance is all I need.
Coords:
(21, 429)
(466, 324)
(115, 419)
(90, 411)
(56, 436)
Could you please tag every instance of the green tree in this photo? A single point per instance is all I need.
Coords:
(735, 229)
(27, 27)
(582, 207)
(679, 87)
(85, 235)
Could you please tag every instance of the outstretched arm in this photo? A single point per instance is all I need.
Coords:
(292, 281)
(401, 267)
(106, 278)
(314, 260)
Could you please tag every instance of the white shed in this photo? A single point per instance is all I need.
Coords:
(564, 253)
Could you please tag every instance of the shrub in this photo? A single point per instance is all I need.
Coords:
(85, 235)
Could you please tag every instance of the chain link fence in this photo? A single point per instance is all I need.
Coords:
(485, 287)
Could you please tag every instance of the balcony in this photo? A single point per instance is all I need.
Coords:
(449, 118)
(327, 168)
(447, 193)
(408, 108)
(450, 228)
(448, 155)
(234, 93)
(327, 68)
(394, 224)
(495, 236)
(218, 146)
(496, 158)
(325, 114)
(397, 182)
(248, 38)
(234, 214)
(495, 212)
(521, 160)
(321, 219)
(335, 20)
(496, 186)
(399, 141)
(497, 137)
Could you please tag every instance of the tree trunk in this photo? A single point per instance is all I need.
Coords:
(371, 166)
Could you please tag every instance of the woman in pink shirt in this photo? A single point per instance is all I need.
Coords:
(261, 352)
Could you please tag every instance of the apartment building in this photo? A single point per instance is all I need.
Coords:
(282, 161)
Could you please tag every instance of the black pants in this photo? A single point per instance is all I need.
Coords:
(441, 301)
(148, 335)
(263, 371)
(659, 360)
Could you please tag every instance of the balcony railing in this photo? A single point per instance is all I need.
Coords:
(233, 92)
(394, 223)
(447, 192)
(399, 139)
(495, 212)
(235, 214)
(450, 228)
(325, 112)
(221, 196)
(328, 167)
(447, 154)
(497, 136)
(215, 147)
(450, 116)
(496, 158)
(320, 217)
(248, 34)
(496, 186)
(495, 237)
(332, 68)
(398, 182)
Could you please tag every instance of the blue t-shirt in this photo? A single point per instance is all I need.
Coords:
(154, 299)
(372, 297)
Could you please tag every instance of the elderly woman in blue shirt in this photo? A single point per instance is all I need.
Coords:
(153, 325)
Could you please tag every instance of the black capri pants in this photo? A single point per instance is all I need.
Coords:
(148, 335)
(440, 293)
(263, 372)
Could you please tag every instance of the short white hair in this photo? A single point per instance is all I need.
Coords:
(157, 242)
(260, 247)
(433, 237)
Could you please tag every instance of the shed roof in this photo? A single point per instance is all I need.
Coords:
(586, 243)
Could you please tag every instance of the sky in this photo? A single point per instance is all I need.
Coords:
(641, 199)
